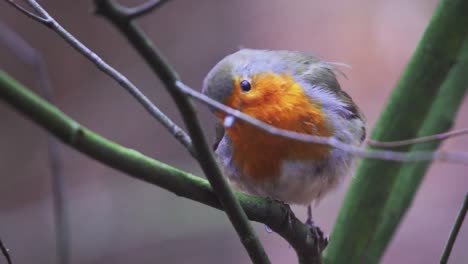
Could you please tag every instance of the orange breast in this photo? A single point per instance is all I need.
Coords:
(279, 101)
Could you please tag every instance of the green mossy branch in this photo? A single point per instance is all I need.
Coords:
(276, 215)
(408, 107)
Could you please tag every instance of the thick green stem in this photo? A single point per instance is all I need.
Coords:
(439, 119)
(407, 108)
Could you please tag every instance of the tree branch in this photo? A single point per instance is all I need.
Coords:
(274, 214)
(454, 232)
(154, 111)
(418, 140)
(5, 252)
(28, 13)
(144, 46)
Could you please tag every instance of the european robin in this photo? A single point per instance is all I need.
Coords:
(290, 90)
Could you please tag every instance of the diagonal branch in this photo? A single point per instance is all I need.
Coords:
(418, 140)
(5, 252)
(144, 46)
(454, 232)
(274, 214)
(154, 111)
(29, 13)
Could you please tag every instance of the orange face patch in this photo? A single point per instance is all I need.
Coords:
(278, 100)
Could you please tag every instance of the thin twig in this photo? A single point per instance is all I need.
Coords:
(454, 232)
(454, 157)
(399, 143)
(119, 17)
(154, 111)
(30, 56)
(143, 9)
(28, 13)
(5, 252)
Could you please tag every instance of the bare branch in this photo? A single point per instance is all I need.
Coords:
(28, 13)
(399, 143)
(144, 9)
(154, 111)
(454, 157)
(5, 252)
(30, 56)
(454, 232)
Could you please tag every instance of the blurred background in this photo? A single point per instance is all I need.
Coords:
(116, 219)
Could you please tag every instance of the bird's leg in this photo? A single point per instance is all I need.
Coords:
(309, 220)
(321, 240)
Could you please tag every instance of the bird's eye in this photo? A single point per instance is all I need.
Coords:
(245, 86)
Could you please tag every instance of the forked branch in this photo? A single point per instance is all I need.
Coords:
(154, 111)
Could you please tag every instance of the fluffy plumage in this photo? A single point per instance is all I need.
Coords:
(289, 90)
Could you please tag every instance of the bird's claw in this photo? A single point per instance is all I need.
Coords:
(317, 234)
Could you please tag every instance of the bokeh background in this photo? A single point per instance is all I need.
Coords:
(116, 219)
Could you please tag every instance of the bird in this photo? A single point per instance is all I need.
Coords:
(290, 90)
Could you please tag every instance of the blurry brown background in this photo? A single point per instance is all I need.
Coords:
(116, 219)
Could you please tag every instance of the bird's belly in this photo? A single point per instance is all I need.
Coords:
(260, 156)
(298, 181)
